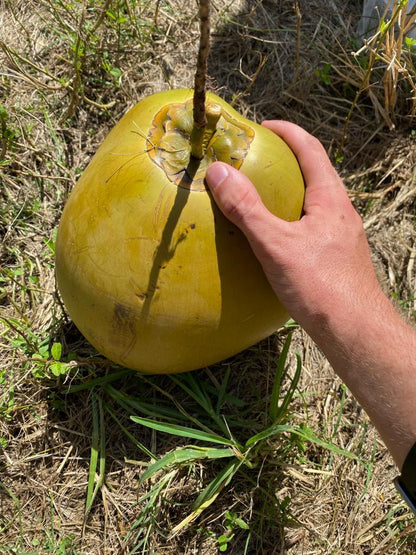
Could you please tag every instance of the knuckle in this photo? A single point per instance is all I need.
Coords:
(314, 144)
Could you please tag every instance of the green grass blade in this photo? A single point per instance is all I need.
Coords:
(209, 494)
(138, 405)
(94, 454)
(145, 522)
(309, 435)
(283, 408)
(268, 432)
(223, 478)
(4, 524)
(98, 454)
(102, 438)
(182, 431)
(223, 390)
(185, 455)
(195, 390)
(129, 435)
(189, 417)
(102, 380)
(278, 378)
(193, 387)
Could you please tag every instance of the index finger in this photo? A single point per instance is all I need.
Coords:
(321, 179)
(312, 157)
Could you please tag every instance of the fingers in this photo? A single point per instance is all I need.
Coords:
(312, 157)
(320, 176)
(308, 150)
(238, 199)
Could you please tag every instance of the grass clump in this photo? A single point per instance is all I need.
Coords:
(227, 440)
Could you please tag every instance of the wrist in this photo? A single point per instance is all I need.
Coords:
(345, 317)
(358, 330)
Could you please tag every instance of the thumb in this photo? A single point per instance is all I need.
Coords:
(237, 199)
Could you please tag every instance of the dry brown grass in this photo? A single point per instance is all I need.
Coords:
(271, 60)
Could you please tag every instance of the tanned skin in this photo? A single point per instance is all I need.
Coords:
(321, 270)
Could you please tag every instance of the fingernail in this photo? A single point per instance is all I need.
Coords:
(216, 175)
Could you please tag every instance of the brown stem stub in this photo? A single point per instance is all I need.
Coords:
(200, 119)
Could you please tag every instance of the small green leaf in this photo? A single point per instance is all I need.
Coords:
(240, 522)
(115, 72)
(410, 43)
(223, 542)
(59, 368)
(43, 353)
(323, 74)
(384, 25)
(56, 351)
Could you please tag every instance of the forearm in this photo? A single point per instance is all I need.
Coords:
(373, 352)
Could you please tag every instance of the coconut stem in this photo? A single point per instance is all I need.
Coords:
(201, 136)
(200, 117)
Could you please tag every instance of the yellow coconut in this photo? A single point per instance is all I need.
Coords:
(150, 271)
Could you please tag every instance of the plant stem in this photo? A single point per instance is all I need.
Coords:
(201, 136)
(200, 118)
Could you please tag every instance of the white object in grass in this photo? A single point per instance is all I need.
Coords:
(374, 10)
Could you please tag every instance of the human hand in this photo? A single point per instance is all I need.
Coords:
(319, 266)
